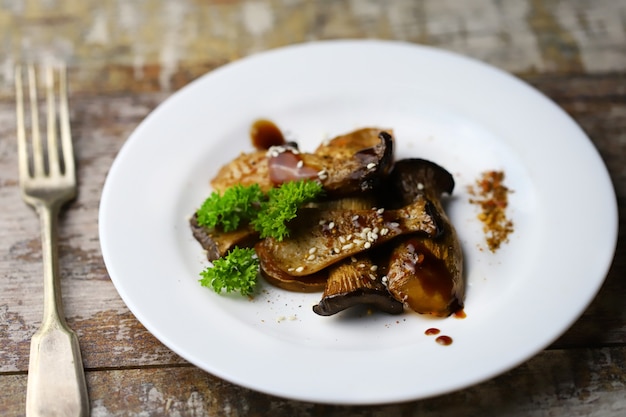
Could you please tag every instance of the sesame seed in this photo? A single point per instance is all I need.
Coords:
(311, 257)
(373, 268)
(348, 246)
(322, 222)
(289, 269)
(322, 175)
(331, 225)
(342, 239)
(358, 242)
(384, 231)
(371, 165)
(300, 164)
(313, 250)
(353, 259)
(355, 217)
(367, 245)
(380, 211)
(367, 229)
(300, 269)
(420, 186)
(361, 265)
(372, 277)
(336, 250)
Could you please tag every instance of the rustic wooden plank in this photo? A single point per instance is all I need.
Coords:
(160, 46)
(576, 383)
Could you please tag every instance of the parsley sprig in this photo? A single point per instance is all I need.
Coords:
(282, 206)
(238, 204)
(267, 213)
(236, 271)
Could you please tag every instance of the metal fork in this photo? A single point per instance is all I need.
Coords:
(56, 379)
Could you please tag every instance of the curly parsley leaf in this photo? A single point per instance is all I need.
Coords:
(236, 271)
(237, 205)
(282, 206)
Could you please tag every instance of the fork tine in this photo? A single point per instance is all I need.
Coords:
(38, 162)
(53, 154)
(66, 136)
(22, 150)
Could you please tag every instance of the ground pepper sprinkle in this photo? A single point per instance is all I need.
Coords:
(491, 195)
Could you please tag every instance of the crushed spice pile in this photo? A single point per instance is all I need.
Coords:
(491, 195)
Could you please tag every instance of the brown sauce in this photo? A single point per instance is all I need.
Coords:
(431, 271)
(265, 134)
(444, 340)
(432, 331)
(460, 314)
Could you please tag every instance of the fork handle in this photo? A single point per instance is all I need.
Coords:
(56, 379)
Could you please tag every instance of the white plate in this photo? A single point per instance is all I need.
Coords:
(462, 114)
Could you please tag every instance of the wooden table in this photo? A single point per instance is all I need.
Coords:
(125, 58)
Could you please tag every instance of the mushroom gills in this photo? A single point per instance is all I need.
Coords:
(354, 282)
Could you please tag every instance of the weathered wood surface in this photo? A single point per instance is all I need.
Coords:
(127, 57)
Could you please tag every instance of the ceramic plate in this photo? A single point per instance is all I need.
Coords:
(462, 114)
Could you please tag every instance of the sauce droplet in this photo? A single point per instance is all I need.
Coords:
(444, 340)
(432, 331)
(265, 134)
(460, 314)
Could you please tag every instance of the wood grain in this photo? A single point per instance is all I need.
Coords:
(562, 382)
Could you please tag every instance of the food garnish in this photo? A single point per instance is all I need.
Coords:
(238, 204)
(491, 195)
(236, 271)
(266, 213)
(281, 207)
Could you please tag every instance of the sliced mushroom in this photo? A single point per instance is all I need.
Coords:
(354, 282)
(315, 282)
(347, 164)
(354, 162)
(246, 169)
(427, 273)
(217, 243)
(318, 237)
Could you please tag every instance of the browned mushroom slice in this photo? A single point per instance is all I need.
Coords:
(350, 163)
(355, 162)
(246, 169)
(318, 238)
(315, 282)
(354, 282)
(217, 243)
(427, 273)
